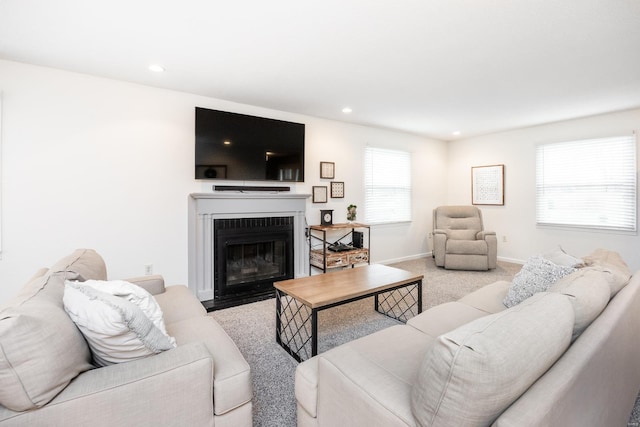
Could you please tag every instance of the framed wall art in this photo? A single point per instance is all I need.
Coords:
(337, 190)
(327, 170)
(319, 194)
(487, 185)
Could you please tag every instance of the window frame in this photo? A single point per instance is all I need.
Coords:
(595, 189)
(385, 185)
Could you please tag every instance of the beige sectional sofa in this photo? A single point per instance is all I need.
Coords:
(48, 376)
(564, 357)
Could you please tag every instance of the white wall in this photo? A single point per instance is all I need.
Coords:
(516, 219)
(91, 162)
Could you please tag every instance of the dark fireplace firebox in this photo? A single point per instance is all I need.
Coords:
(250, 254)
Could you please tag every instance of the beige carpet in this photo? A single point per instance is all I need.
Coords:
(252, 327)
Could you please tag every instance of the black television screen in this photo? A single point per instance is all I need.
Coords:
(247, 148)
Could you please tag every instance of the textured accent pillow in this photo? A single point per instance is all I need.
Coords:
(116, 326)
(536, 275)
(470, 375)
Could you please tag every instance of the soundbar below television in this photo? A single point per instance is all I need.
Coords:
(240, 147)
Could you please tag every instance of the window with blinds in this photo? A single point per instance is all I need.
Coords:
(587, 184)
(387, 182)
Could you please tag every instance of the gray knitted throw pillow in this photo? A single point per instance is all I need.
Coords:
(536, 275)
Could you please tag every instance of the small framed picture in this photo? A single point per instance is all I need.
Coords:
(319, 194)
(337, 190)
(487, 185)
(327, 170)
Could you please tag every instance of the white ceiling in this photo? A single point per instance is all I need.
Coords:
(428, 67)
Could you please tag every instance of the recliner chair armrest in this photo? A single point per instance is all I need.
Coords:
(439, 245)
(483, 234)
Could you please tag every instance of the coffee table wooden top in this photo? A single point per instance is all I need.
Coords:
(329, 288)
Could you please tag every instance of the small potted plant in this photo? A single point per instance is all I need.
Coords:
(351, 213)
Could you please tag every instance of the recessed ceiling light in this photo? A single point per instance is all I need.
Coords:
(156, 68)
(456, 133)
(347, 110)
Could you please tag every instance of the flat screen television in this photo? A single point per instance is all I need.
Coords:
(235, 146)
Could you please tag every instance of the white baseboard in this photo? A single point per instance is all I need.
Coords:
(512, 260)
(428, 254)
(406, 258)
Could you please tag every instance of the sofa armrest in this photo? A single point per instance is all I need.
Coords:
(153, 284)
(306, 387)
(171, 388)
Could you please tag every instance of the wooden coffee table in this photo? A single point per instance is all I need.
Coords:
(397, 293)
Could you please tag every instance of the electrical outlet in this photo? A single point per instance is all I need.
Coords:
(504, 239)
(430, 235)
(148, 269)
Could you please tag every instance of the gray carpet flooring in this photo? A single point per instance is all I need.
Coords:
(252, 327)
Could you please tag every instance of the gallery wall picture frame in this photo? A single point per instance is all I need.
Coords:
(487, 185)
(327, 170)
(337, 190)
(319, 193)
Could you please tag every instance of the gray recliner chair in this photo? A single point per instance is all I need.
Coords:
(459, 239)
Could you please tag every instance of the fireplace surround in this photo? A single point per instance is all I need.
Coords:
(240, 243)
(251, 254)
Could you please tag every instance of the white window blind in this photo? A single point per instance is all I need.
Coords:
(589, 183)
(387, 181)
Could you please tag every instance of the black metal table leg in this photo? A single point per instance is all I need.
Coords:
(314, 332)
(278, 314)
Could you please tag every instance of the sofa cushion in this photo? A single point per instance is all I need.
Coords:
(41, 349)
(488, 298)
(462, 234)
(82, 264)
(536, 275)
(120, 325)
(612, 262)
(471, 374)
(467, 247)
(178, 303)
(558, 256)
(444, 317)
(589, 292)
(379, 370)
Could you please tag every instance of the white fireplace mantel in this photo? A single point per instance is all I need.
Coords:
(204, 208)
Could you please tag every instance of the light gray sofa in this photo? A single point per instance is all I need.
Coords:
(48, 378)
(564, 357)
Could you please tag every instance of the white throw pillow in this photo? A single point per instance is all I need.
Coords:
(120, 321)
